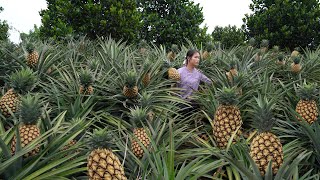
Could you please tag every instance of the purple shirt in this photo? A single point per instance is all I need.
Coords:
(190, 80)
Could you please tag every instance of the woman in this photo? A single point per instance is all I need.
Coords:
(190, 76)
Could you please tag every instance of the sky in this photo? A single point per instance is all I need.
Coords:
(22, 15)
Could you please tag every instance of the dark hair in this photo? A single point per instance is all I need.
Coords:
(190, 53)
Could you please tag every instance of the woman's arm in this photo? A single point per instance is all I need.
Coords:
(205, 79)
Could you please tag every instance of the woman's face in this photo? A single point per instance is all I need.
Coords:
(195, 59)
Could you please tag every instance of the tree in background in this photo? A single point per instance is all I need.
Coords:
(171, 21)
(228, 36)
(92, 18)
(4, 28)
(284, 23)
(33, 35)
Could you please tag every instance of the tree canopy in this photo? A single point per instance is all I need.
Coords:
(228, 36)
(170, 21)
(285, 23)
(92, 18)
(4, 28)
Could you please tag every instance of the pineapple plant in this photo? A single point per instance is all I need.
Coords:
(137, 117)
(296, 66)
(264, 46)
(307, 106)
(207, 53)
(265, 146)
(258, 56)
(102, 163)
(29, 112)
(21, 82)
(143, 46)
(232, 72)
(227, 118)
(281, 60)
(130, 88)
(32, 56)
(173, 52)
(252, 43)
(147, 75)
(86, 81)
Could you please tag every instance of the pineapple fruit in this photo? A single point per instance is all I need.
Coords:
(207, 53)
(147, 75)
(30, 112)
(130, 89)
(137, 117)
(33, 56)
(264, 46)
(173, 52)
(252, 43)
(307, 106)
(281, 60)
(232, 72)
(172, 72)
(102, 163)
(227, 118)
(296, 66)
(21, 82)
(266, 146)
(86, 81)
(295, 52)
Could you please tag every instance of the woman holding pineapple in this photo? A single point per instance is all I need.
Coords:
(190, 77)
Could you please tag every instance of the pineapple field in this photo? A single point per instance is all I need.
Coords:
(107, 109)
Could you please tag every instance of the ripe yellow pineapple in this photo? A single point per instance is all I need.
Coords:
(130, 89)
(296, 66)
(33, 56)
(138, 116)
(20, 82)
(266, 146)
(86, 81)
(173, 74)
(295, 52)
(307, 106)
(102, 163)
(29, 112)
(227, 118)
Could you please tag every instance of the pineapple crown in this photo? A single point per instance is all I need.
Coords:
(209, 46)
(276, 48)
(138, 116)
(280, 57)
(30, 47)
(30, 109)
(264, 43)
(23, 81)
(232, 64)
(227, 96)
(297, 49)
(85, 77)
(252, 41)
(174, 48)
(263, 118)
(145, 99)
(93, 64)
(296, 60)
(130, 79)
(307, 91)
(143, 43)
(102, 138)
